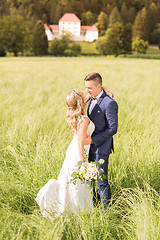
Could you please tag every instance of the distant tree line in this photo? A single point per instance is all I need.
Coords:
(120, 24)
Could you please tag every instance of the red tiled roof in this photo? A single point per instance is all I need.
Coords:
(46, 27)
(83, 28)
(90, 28)
(53, 27)
(69, 17)
(93, 28)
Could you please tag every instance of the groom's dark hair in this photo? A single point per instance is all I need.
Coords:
(95, 77)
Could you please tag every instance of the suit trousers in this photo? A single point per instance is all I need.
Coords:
(103, 192)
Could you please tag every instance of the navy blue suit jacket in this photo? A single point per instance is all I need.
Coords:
(105, 117)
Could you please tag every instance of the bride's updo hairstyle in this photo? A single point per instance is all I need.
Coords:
(76, 107)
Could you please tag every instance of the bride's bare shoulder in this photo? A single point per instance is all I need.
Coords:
(85, 120)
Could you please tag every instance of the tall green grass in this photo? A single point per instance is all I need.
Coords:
(34, 138)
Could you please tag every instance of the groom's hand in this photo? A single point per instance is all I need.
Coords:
(87, 140)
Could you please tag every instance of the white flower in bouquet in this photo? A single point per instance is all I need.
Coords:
(88, 172)
(86, 176)
(92, 171)
(82, 170)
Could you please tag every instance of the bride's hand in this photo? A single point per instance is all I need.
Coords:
(87, 140)
(87, 97)
(108, 91)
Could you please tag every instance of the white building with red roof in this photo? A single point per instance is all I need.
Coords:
(69, 22)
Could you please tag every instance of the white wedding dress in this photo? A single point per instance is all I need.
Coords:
(57, 196)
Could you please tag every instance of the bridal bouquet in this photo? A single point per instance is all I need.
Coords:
(88, 172)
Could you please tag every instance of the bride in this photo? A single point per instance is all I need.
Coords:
(60, 195)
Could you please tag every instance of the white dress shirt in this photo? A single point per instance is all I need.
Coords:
(93, 103)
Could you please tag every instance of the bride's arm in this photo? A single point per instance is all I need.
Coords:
(87, 97)
(108, 91)
(82, 136)
(105, 88)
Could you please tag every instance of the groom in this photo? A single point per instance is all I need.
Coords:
(103, 112)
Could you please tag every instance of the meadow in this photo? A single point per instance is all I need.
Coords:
(89, 48)
(35, 135)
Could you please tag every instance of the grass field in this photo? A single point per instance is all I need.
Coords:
(152, 53)
(89, 48)
(34, 138)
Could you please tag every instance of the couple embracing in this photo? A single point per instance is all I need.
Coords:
(93, 134)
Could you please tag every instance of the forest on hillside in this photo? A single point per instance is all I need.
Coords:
(50, 11)
(138, 18)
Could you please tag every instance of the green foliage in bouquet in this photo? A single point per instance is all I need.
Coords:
(88, 172)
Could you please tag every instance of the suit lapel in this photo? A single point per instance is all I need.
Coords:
(98, 103)
(88, 107)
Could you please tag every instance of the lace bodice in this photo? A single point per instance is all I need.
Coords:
(90, 128)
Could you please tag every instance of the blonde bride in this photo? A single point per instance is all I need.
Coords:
(60, 195)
